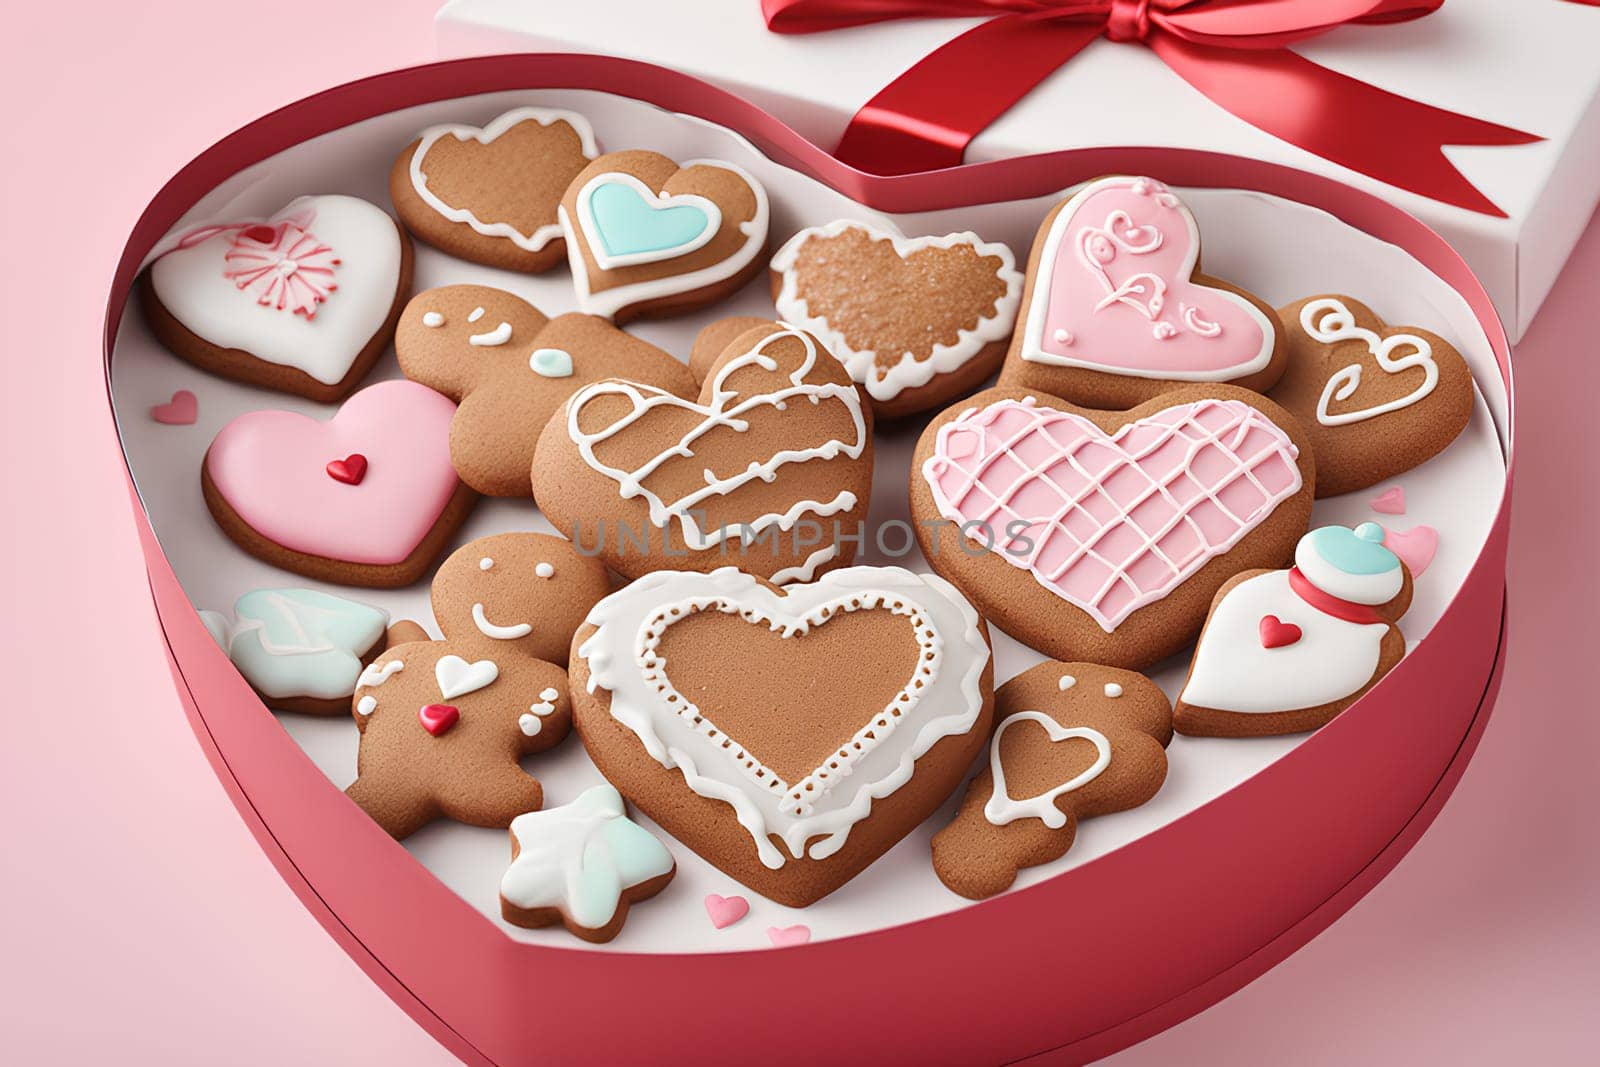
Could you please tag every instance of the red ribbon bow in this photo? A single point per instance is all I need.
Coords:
(1234, 51)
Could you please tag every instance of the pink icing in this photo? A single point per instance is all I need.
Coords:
(1416, 546)
(271, 467)
(1118, 294)
(1116, 522)
(283, 266)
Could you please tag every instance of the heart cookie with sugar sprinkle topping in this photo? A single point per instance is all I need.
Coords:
(715, 703)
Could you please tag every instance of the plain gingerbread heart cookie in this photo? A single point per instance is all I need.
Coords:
(1102, 536)
(1284, 651)
(509, 368)
(790, 736)
(489, 194)
(1071, 740)
(1116, 310)
(916, 321)
(444, 723)
(367, 498)
(765, 470)
(303, 302)
(647, 237)
(1376, 400)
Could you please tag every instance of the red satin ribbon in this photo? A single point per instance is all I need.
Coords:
(1234, 51)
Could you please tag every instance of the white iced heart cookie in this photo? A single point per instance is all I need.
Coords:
(304, 301)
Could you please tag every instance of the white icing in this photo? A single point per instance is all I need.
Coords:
(608, 302)
(1330, 321)
(620, 658)
(477, 313)
(378, 673)
(806, 571)
(432, 319)
(543, 235)
(367, 704)
(485, 563)
(1232, 672)
(545, 570)
(529, 724)
(725, 410)
(1003, 808)
(907, 372)
(492, 339)
(1067, 682)
(457, 677)
(1377, 588)
(191, 284)
(550, 693)
(1113, 689)
(499, 633)
(604, 259)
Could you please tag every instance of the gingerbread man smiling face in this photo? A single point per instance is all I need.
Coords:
(509, 367)
(444, 723)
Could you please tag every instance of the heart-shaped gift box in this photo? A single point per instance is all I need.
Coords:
(1097, 956)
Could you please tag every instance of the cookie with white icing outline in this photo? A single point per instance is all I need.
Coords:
(1284, 651)
(489, 194)
(303, 302)
(916, 320)
(722, 707)
(1375, 399)
(1102, 535)
(763, 470)
(647, 237)
(582, 865)
(509, 367)
(1117, 310)
(444, 722)
(1071, 740)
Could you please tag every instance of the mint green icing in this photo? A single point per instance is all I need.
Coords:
(1358, 551)
(302, 643)
(628, 225)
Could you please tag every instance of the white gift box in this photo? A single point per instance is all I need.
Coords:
(1529, 65)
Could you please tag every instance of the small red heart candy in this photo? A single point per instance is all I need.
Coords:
(349, 470)
(1275, 633)
(181, 410)
(438, 718)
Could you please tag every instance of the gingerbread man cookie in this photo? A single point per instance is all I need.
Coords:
(509, 368)
(1071, 740)
(444, 723)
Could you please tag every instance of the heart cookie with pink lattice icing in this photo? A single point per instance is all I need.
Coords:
(1103, 535)
(1116, 310)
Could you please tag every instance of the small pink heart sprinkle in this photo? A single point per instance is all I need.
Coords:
(1415, 547)
(725, 911)
(181, 410)
(1392, 501)
(785, 936)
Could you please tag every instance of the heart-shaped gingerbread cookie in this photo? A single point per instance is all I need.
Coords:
(931, 321)
(646, 237)
(1376, 400)
(1103, 535)
(765, 469)
(490, 194)
(715, 703)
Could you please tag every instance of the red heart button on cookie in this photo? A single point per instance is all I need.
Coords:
(1275, 633)
(438, 718)
(349, 470)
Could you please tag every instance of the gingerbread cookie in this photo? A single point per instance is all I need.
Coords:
(490, 194)
(1116, 310)
(1101, 535)
(510, 368)
(367, 498)
(444, 723)
(300, 649)
(717, 704)
(303, 302)
(1071, 740)
(647, 237)
(582, 865)
(915, 320)
(1284, 651)
(1376, 400)
(765, 470)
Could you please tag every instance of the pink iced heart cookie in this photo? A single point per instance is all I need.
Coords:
(1103, 535)
(366, 498)
(1116, 311)
(304, 300)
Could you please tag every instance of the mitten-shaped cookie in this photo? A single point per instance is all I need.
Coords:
(509, 368)
(444, 723)
(1071, 740)
(1286, 650)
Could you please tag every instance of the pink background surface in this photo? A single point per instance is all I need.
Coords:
(142, 925)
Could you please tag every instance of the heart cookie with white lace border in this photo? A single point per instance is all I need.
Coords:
(1116, 310)
(1100, 535)
(717, 704)
(647, 237)
(304, 301)
(1376, 400)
